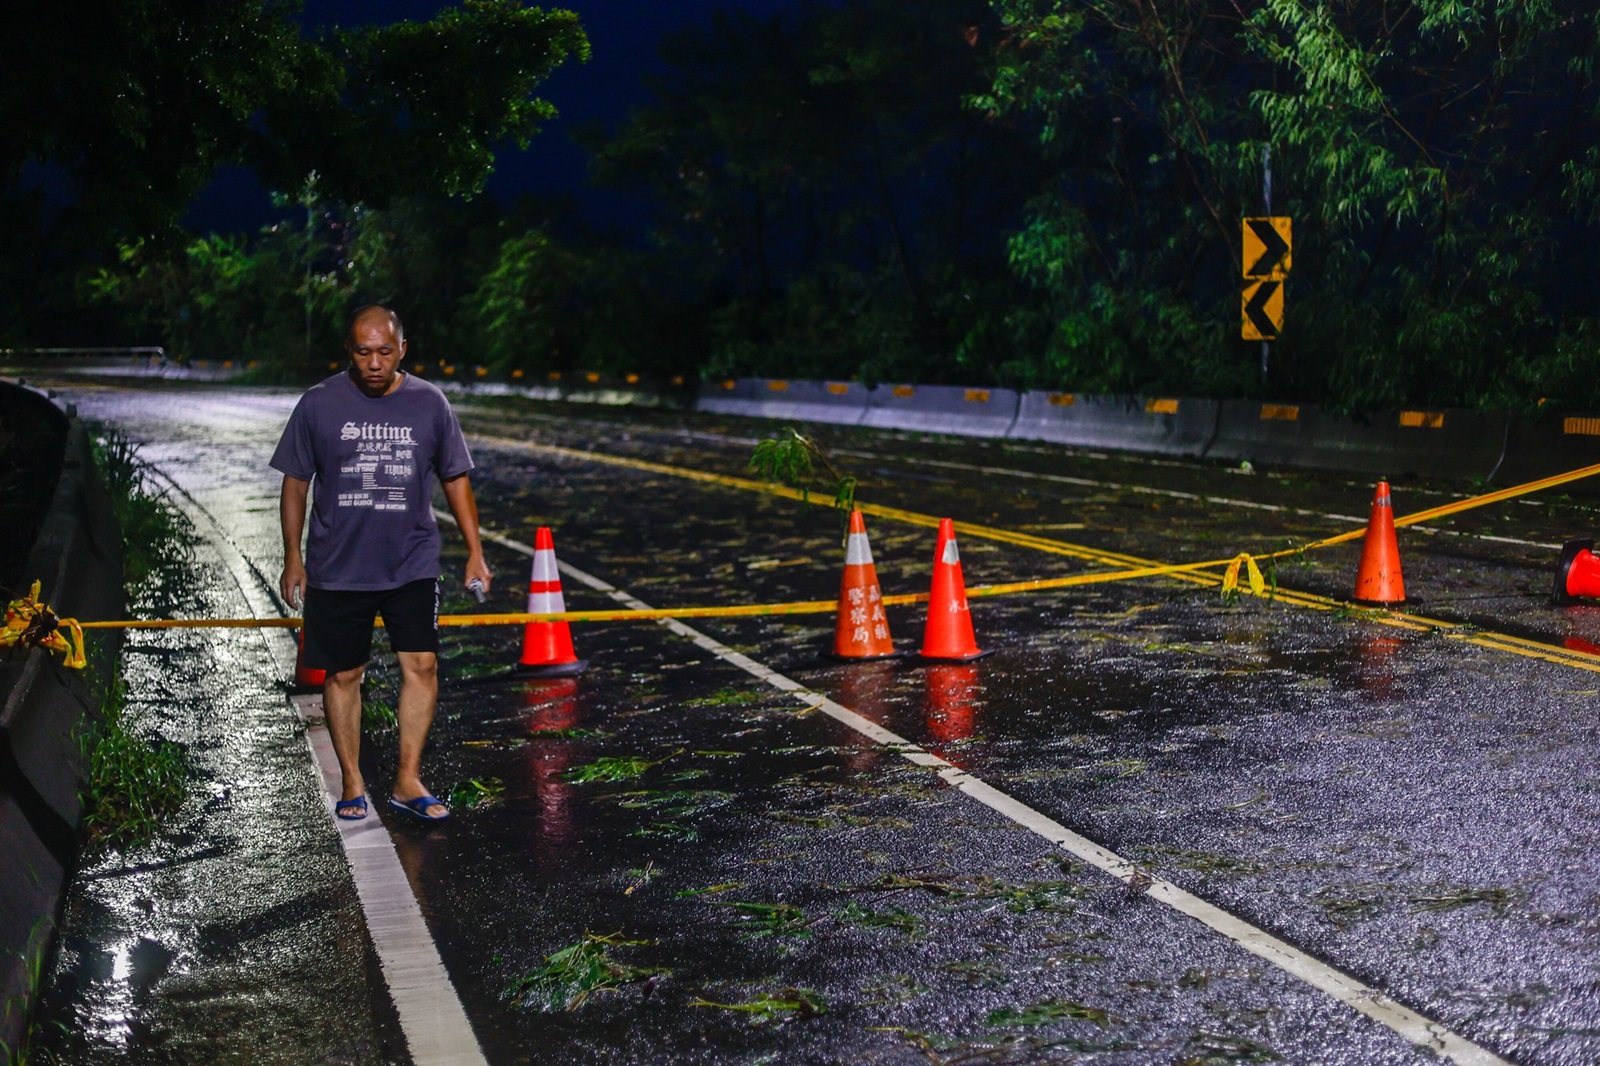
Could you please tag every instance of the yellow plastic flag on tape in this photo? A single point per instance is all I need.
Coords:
(34, 625)
(1230, 576)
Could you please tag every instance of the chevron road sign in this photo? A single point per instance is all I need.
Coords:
(1266, 246)
(1266, 256)
(1262, 305)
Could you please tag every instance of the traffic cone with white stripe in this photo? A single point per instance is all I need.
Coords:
(305, 678)
(1378, 580)
(547, 646)
(949, 636)
(862, 631)
(1577, 572)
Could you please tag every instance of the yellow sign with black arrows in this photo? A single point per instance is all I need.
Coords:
(1263, 310)
(1267, 247)
(1266, 256)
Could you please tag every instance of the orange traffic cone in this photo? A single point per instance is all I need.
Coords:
(304, 676)
(1378, 580)
(547, 646)
(862, 631)
(949, 634)
(1577, 572)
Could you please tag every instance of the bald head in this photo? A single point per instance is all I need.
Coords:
(376, 314)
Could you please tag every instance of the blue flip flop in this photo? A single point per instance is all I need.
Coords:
(418, 808)
(351, 810)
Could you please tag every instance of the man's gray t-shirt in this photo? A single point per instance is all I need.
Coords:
(369, 461)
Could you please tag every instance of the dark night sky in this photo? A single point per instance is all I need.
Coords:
(623, 38)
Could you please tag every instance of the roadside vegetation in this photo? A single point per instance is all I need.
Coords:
(135, 780)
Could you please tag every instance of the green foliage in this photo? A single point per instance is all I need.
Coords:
(791, 459)
(785, 1005)
(176, 92)
(135, 782)
(157, 539)
(616, 768)
(378, 715)
(570, 976)
(476, 792)
(1046, 1013)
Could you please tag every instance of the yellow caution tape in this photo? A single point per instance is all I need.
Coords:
(1243, 562)
(31, 624)
(1230, 576)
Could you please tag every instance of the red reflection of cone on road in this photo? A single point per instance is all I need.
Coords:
(1378, 579)
(547, 646)
(949, 635)
(305, 677)
(1577, 572)
(952, 701)
(862, 631)
(552, 708)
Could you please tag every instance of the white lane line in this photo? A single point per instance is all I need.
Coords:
(431, 1015)
(430, 1011)
(1420, 1030)
(1176, 494)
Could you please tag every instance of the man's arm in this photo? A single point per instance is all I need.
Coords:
(458, 493)
(292, 514)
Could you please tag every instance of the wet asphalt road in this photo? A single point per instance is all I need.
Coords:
(1412, 807)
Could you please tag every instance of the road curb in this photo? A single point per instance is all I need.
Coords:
(77, 556)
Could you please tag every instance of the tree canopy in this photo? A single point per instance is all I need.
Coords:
(1037, 193)
(117, 114)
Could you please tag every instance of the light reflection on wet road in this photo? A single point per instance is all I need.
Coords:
(1412, 809)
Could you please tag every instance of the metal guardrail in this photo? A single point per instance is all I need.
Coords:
(155, 350)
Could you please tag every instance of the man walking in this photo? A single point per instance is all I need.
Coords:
(369, 438)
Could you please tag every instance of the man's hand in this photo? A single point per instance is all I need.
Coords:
(292, 584)
(458, 494)
(477, 570)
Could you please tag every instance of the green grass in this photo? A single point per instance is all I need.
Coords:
(136, 783)
(157, 538)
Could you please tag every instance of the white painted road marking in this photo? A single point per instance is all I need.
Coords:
(1420, 1030)
(431, 1014)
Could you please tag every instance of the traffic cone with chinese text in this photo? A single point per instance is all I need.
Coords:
(861, 633)
(949, 635)
(1577, 572)
(305, 678)
(1378, 580)
(547, 646)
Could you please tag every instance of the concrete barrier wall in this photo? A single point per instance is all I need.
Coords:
(78, 558)
(943, 409)
(1396, 444)
(1167, 425)
(835, 402)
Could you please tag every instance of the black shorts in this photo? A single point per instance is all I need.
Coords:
(339, 623)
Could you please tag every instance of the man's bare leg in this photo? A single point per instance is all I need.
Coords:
(341, 704)
(419, 695)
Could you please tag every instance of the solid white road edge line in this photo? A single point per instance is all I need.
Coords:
(1420, 1030)
(431, 1015)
